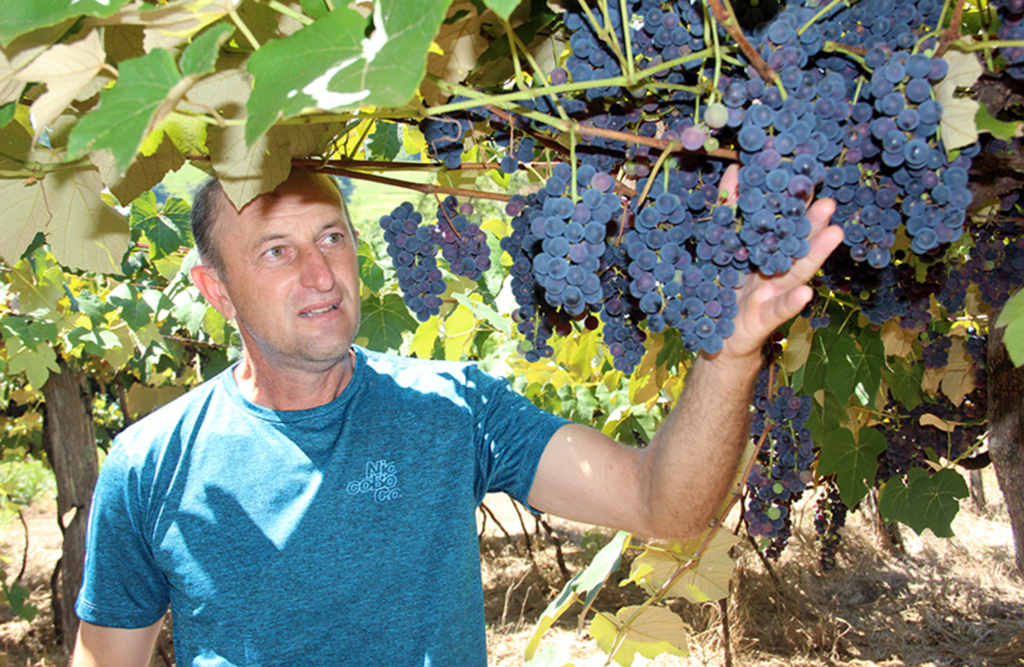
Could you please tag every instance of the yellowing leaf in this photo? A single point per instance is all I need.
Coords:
(25, 215)
(898, 341)
(414, 142)
(932, 420)
(654, 631)
(706, 580)
(800, 337)
(84, 232)
(423, 341)
(958, 125)
(459, 328)
(66, 69)
(958, 381)
(459, 45)
(932, 379)
(171, 24)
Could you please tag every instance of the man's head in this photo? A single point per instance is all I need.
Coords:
(285, 268)
(208, 203)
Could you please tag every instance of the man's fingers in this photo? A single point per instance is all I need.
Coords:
(730, 184)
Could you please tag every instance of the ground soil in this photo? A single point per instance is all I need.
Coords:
(934, 603)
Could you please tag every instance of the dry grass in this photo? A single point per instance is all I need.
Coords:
(942, 602)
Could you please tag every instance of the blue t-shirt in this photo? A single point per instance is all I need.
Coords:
(340, 535)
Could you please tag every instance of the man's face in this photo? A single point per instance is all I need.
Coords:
(291, 276)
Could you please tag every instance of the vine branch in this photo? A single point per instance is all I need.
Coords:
(728, 21)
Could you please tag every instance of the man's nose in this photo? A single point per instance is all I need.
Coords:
(316, 270)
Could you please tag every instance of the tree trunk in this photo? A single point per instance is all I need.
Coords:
(70, 443)
(1006, 426)
(977, 490)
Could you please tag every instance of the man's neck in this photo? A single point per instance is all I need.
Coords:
(292, 389)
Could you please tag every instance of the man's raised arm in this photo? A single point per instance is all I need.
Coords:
(672, 487)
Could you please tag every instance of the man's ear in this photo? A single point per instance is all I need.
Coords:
(211, 285)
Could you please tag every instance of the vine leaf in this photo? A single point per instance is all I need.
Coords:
(502, 8)
(20, 17)
(171, 24)
(427, 334)
(25, 215)
(924, 501)
(898, 341)
(958, 125)
(904, 380)
(66, 69)
(843, 366)
(583, 588)
(461, 44)
(331, 65)
(707, 580)
(384, 143)
(130, 109)
(83, 231)
(142, 174)
(1012, 317)
(653, 632)
(958, 379)
(36, 362)
(200, 57)
(854, 462)
(459, 327)
(384, 320)
(798, 350)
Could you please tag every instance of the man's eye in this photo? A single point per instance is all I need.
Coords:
(334, 239)
(274, 253)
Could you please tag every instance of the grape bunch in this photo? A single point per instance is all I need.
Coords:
(462, 242)
(935, 352)
(783, 470)
(413, 250)
(829, 518)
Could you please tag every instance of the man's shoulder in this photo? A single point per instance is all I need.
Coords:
(169, 420)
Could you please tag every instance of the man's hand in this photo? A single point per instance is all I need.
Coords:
(766, 302)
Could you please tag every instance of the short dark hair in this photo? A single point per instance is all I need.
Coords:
(207, 205)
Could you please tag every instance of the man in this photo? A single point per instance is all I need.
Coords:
(316, 503)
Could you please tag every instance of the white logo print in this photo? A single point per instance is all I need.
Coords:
(381, 480)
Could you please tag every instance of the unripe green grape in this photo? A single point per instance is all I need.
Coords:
(716, 115)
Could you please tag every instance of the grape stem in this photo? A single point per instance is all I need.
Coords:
(244, 29)
(953, 32)
(447, 218)
(424, 188)
(647, 187)
(822, 12)
(288, 11)
(728, 21)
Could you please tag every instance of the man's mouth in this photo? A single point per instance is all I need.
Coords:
(319, 311)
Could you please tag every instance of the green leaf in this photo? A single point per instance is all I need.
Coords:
(331, 64)
(869, 366)
(165, 227)
(36, 362)
(95, 342)
(314, 9)
(607, 560)
(134, 310)
(502, 8)
(853, 462)
(384, 143)
(200, 57)
(1012, 317)
(482, 311)
(654, 631)
(904, 382)
(672, 351)
(190, 309)
(371, 272)
(925, 501)
(123, 118)
(844, 362)
(91, 305)
(584, 586)
(816, 367)
(1005, 130)
(20, 16)
(385, 319)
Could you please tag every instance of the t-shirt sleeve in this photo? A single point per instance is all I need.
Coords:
(511, 436)
(122, 586)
